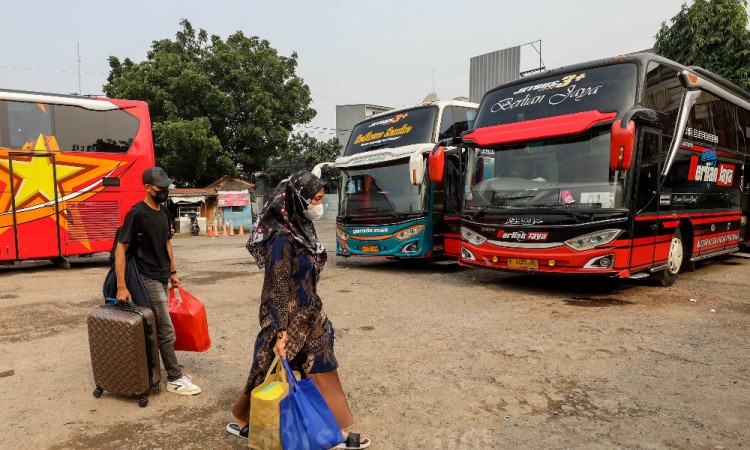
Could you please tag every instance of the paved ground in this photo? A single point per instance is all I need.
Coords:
(431, 357)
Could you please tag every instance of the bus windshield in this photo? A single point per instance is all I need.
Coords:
(606, 89)
(568, 172)
(414, 126)
(381, 191)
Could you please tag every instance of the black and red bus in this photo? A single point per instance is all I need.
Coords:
(627, 167)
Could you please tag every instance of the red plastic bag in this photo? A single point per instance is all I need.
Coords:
(190, 322)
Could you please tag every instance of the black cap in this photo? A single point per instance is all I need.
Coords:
(157, 177)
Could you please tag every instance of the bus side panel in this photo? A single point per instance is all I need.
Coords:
(7, 237)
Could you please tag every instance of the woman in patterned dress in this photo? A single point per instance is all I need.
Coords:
(293, 324)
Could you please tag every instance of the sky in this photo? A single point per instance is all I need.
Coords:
(379, 52)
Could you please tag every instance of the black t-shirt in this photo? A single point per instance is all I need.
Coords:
(151, 249)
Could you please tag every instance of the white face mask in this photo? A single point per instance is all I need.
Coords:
(314, 212)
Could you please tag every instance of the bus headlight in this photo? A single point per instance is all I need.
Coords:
(341, 234)
(592, 240)
(473, 237)
(408, 232)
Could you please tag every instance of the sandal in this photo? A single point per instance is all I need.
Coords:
(237, 431)
(353, 442)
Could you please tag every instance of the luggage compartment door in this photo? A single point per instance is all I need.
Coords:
(35, 205)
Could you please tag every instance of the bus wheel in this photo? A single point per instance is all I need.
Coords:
(674, 260)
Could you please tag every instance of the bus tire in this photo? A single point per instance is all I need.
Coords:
(675, 260)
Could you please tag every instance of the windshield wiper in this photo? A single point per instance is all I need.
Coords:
(500, 201)
(376, 146)
(566, 208)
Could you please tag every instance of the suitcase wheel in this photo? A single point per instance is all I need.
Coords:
(143, 402)
(98, 392)
(157, 388)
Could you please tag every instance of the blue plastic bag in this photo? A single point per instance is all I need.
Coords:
(307, 422)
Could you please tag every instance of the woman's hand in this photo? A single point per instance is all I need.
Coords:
(280, 347)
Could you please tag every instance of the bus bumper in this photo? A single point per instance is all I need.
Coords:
(604, 261)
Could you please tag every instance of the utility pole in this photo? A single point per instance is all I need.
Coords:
(78, 53)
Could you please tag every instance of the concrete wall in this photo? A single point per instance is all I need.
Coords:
(236, 219)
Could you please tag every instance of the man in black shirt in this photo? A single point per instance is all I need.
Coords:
(146, 227)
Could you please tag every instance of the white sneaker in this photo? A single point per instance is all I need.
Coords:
(183, 386)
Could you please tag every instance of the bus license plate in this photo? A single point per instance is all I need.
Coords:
(370, 248)
(523, 263)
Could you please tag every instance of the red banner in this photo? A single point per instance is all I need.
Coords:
(234, 198)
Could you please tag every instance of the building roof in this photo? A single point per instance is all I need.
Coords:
(227, 183)
(192, 192)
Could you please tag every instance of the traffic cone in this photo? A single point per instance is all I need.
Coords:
(224, 230)
(231, 229)
(241, 233)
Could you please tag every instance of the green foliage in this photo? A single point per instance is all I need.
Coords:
(214, 103)
(303, 152)
(712, 34)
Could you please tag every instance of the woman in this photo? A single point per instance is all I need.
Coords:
(293, 323)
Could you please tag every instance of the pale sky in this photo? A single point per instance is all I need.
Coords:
(380, 52)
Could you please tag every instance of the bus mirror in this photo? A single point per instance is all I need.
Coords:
(437, 164)
(416, 169)
(318, 169)
(621, 147)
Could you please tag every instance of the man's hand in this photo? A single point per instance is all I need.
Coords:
(123, 295)
(174, 281)
(280, 347)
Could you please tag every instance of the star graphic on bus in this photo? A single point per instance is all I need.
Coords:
(38, 174)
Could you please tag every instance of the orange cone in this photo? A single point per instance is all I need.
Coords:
(231, 229)
(224, 230)
(241, 233)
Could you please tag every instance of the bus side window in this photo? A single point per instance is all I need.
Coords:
(26, 121)
(446, 124)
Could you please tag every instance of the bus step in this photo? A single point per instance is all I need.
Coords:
(639, 276)
(742, 255)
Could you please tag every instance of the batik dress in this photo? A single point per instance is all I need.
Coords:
(289, 302)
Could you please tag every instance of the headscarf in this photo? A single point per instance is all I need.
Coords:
(284, 214)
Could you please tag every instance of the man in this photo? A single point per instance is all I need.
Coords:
(147, 226)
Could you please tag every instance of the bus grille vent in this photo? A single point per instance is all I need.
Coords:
(93, 221)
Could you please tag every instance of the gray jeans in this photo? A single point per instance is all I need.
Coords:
(157, 294)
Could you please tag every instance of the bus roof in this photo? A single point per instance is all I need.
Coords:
(86, 102)
(435, 103)
(710, 81)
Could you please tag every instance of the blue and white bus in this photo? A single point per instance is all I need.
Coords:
(388, 207)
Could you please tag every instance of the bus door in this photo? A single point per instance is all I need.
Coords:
(34, 202)
(647, 199)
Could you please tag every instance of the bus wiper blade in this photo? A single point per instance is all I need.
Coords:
(562, 208)
(377, 146)
(500, 201)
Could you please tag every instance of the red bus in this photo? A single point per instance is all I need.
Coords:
(70, 168)
(629, 167)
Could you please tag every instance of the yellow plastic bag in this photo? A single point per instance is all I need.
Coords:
(265, 416)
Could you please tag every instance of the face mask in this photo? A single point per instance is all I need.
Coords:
(314, 212)
(161, 196)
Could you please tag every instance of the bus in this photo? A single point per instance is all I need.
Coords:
(388, 208)
(630, 167)
(70, 168)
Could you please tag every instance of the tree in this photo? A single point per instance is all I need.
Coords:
(712, 34)
(303, 152)
(214, 103)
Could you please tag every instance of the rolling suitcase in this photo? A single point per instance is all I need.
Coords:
(124, 352)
